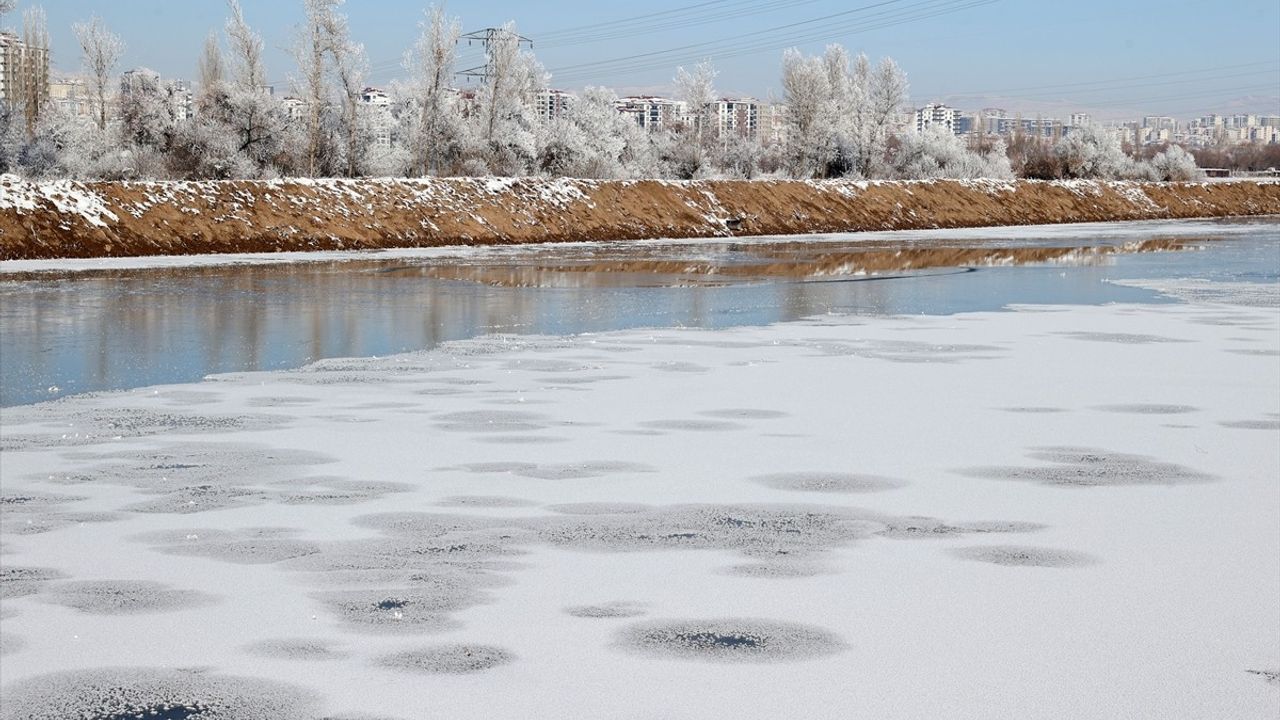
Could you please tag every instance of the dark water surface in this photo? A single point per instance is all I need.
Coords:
(66, 333)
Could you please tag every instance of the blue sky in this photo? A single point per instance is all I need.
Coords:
(1113, 59)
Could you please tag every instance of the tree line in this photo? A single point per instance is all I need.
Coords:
(842, 119)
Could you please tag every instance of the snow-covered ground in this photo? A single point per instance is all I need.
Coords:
(1047, 513)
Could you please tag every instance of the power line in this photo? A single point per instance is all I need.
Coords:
(874, 16)
(623, 21)
(720, 50)
(388, 64)
(709, 43)
(653, 26)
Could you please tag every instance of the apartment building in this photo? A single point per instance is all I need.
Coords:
(23, 70)
(936, 114)
(183, 100)
(736, 116)
(294, 108)
(70, 96)
(550, 104)
(775, 124)
(651, 112)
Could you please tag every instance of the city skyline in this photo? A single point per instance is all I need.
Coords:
(1146, 70)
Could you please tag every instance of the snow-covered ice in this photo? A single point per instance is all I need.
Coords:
(1060, 511)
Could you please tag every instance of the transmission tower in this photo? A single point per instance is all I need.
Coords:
(487, 37)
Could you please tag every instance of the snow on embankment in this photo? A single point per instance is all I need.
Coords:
(99, 219)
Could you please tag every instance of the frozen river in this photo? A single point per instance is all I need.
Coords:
(763, 485)
(81, 326)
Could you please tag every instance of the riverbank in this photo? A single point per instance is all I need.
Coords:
(66, 219)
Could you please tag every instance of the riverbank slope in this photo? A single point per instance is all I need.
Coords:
(67, 219)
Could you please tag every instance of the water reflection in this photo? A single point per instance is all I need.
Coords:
(767, 262)
(111, 330)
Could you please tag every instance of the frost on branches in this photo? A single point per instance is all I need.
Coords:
(840, 119)
(939, 153)
(841, 113)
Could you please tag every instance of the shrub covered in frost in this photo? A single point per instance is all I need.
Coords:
(1175, 165)
(1090, 152)
(592, 140)
(939, 153)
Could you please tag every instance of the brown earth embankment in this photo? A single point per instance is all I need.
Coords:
(102, 219)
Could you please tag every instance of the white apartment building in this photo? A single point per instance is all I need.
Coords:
(936, 114)
(22, 67)
(182, 99)
(550, 104)
(295, 108)
(652, 112)
(736, 116)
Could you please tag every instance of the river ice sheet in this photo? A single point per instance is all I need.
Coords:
(1061, 511)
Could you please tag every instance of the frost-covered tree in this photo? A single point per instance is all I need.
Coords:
(939, 153)
(34, 77)
(350, 67)
(430, 65)
(232, 122)
(1175, 165)
(841, 112)
(885, 95)
(311, 53)
(739, 156)
(100, 51)
(560, 147)
(146, 112)
(594, 140)
(807, 92)
(604, 133)
(845, 109)
(889, 90)
(667, 155)
(68, 145)
(246, 108)
(324, 48)
(209, 68)
(506, 121)
(7, 6)
(205, 149)
(1091, 152)
(246, 50)
(11, 139)
(697, 89)
(209, 145)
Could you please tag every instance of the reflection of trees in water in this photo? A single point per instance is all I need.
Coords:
(792, 261)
